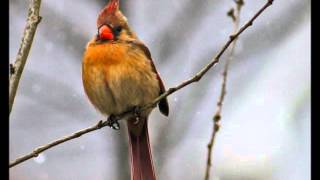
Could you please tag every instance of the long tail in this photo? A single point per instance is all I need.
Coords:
(140, 152)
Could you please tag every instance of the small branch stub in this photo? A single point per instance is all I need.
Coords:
(230, 13)
(232, 37)
(12, 69)
(239, 3)
(217, 118)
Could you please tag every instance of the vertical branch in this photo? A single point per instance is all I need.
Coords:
(217, 117)
(16, 69)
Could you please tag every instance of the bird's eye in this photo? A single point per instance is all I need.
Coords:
(118, 29)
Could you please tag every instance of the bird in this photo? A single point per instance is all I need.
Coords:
(118, 76)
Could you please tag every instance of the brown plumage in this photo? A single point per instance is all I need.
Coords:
(119, 75)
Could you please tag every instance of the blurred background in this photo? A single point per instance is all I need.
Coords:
(265, 128)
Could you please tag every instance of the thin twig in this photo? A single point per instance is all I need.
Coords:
(217, 117)
(101, 124)
(16, 70)
(40, 149)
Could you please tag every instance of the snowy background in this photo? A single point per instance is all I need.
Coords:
(265, 133)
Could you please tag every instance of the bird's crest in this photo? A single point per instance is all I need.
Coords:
(109, 10)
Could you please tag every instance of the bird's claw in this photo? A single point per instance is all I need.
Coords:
(113, 122)
(115, 126)
(136, 111)
(136, 114)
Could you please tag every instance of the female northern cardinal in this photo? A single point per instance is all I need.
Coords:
(119, 75)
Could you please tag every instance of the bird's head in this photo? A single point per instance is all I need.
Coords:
(112, 24)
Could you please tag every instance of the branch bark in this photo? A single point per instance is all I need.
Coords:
(104, 123)
(16, 70)
(217, 116)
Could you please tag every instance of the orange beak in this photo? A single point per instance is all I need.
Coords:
(106, 33)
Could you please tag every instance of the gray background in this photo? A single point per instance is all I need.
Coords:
(265, 133)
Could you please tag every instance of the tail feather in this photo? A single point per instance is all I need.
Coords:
(140, 153)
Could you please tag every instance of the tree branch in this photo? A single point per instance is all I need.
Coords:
(39, 150)
(217, 117)
(16, 70)
(104, 123)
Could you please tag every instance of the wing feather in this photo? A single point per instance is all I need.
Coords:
(163, 104)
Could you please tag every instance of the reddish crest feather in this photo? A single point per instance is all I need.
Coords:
(108, 10)
(113, 5)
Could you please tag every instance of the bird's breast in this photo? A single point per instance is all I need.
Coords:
(117, 77)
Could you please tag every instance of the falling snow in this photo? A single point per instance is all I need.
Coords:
(270, 53)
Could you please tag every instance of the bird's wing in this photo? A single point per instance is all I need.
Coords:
(163, 104)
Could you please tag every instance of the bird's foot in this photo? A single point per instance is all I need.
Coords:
(136, 114)
(113, 122)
